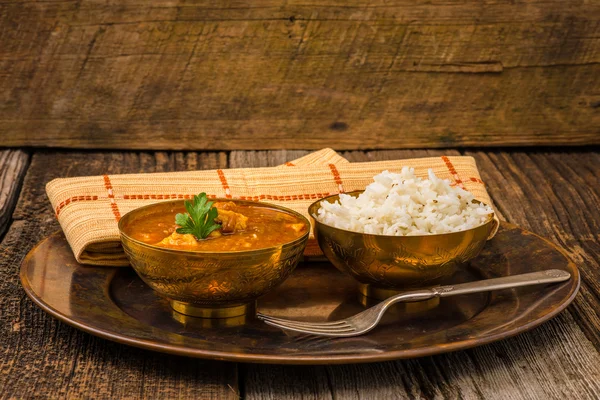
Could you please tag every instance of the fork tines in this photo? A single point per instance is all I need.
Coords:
(337, 328)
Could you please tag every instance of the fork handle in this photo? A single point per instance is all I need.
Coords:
(486, 285)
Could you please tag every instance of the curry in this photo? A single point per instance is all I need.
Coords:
(240, 227)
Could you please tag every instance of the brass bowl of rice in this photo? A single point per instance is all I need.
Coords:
(384, 263)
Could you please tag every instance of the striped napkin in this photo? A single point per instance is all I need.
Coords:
(88, 208)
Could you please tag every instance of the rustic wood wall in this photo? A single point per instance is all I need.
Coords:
(294, 74)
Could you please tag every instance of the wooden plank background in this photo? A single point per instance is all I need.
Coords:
(267, 74)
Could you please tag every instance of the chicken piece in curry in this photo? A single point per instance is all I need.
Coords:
(242, 227)
(230, 220)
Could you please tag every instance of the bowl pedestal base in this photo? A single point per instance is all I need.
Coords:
(202, 311)
(369, 296)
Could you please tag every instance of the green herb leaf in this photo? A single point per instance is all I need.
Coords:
(200, 218)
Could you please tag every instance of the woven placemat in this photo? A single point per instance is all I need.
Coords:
(88, 208)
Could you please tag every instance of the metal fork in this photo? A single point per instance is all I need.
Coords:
(365, 321)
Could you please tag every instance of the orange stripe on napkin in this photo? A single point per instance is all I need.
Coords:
(111, 196)
(452, 170)
(224, 183)
(336, 177)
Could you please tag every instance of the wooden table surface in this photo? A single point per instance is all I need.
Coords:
(553, 193)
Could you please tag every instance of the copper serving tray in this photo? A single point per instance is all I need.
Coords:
(115, 304)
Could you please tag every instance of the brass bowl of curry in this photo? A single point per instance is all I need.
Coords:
(222, 275)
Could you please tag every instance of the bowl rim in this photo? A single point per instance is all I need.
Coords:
(292, 243)
(314, 205)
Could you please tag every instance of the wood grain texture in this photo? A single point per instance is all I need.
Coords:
(558, 359)
(555, 195)
(13, 165)
(352, 75)
(257, 159)
(42, 358)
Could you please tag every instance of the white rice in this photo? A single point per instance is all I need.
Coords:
(404, 205)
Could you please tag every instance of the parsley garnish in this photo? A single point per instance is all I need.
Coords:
(200, 219)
